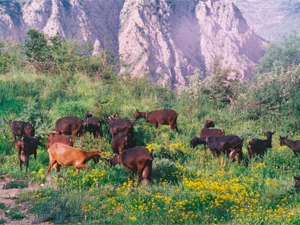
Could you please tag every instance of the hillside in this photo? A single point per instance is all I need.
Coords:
(271, 19)
(166, 39)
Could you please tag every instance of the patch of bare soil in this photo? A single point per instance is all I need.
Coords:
(9, 197)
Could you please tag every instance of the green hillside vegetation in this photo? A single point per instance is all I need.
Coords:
(45, 79)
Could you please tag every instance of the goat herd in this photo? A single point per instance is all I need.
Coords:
(132, 157)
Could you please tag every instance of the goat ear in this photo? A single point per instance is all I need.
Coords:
(205, 119)
(211, 119)
(137, 110)
(193, 136)
(274, 132)
(85, 111)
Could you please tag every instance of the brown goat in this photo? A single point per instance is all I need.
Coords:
(69, 125)
(118, 125)
(53, 138)
(26, 146)
(206, 132)
(122, 141)
(297, 181)
(258, 146)
(92, 124)
(137, 159)
(61, 139)
(20, 128)
(164, 116)
(294, 145)
(64, 155)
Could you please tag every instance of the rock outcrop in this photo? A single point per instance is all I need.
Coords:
(167, 39)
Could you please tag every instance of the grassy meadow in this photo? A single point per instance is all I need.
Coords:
(188, 186)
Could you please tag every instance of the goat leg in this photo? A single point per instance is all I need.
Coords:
(81, 166)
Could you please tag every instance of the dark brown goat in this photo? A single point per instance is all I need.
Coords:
(258, 146)
(92, 124)
(118, 125)
(20, 128)
(69, 125)
(53, 138)
(297, 181)
(197, 141)
(137, 159)
(294, 145)
(228, 144)
(122, 141)
(206, 132)
(26, 146)
(164, 116)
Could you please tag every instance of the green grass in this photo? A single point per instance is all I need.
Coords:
(188, 186)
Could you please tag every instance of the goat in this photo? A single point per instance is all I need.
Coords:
(294, 145)
(206, 132)
(122, 141)
(164, 116)
(92, 124)
(118, 125)
(52, 138)
(64, 155)
(258, 146)
(61, 139)
(228, 144)
(26, 146)
(197, 141)
(297, 181)
(137, 159)
(20, 128)
(70, 125)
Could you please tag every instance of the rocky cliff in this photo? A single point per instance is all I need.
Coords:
(271, 19)
(166, 39)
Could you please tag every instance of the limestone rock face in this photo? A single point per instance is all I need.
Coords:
(167, 39)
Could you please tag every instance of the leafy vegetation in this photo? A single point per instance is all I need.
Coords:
(188, 187)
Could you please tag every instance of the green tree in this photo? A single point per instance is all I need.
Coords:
(35, 47)
(281, 55)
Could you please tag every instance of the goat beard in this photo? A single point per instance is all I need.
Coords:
(23, 157)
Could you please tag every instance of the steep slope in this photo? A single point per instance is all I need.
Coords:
(169, 39)
(271, 19)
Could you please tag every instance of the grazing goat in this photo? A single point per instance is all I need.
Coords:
(294, 145)
(122, 141)
(137, 159)
(297, 181)
(118, 125)
(206, 132)
(228, 144)
(61, 139)
(20, 128)
(92, 124)
(26, 146)
(197, 141)
(64, 155)
(258, 146)
(164, 116)
(69, 125)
